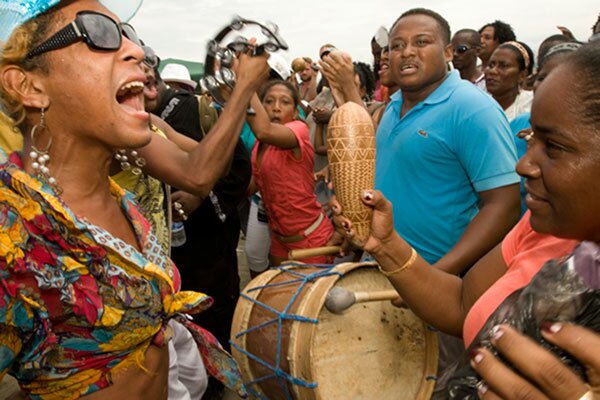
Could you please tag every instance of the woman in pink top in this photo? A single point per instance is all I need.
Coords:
(561, 169)
(282, 168)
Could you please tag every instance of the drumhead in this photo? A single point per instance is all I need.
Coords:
(371, 351)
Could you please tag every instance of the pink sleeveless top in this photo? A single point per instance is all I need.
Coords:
(525, 252)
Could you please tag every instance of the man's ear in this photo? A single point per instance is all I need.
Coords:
(448, 52)
(25, 87)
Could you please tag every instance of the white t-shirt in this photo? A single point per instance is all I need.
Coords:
(521, 104)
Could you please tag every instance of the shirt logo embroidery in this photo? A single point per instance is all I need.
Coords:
(422, 133)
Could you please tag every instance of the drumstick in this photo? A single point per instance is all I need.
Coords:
(317, 251)
(339, 299)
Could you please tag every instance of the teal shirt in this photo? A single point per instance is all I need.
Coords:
(517, 125)
(432, 162)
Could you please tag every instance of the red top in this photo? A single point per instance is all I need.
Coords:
(525, 252)
(286, 183)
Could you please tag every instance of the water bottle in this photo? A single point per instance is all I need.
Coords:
(177, 234)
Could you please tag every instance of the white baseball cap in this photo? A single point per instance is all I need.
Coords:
(173, 72)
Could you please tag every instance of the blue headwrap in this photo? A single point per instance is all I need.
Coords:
(16, 12)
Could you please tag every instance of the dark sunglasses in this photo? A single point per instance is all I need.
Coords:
(463, 48)
(98, 31)
(150, 57)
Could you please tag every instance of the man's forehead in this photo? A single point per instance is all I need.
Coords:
(416, 24)
(463, 37)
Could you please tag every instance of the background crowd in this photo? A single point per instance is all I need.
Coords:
(486, 166)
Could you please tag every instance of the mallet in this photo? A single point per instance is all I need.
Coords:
(339, 299)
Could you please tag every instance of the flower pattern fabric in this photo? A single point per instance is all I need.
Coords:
(76, 303)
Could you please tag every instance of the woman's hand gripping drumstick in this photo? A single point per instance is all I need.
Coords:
(339, 299)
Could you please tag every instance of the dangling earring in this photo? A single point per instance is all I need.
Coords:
(138, 161)
(40, 157)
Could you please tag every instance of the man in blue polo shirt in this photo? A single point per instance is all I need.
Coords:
(445, 155)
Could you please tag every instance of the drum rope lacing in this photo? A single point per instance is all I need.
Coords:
(278, 373)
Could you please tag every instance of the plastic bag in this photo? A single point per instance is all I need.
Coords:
(565, 290)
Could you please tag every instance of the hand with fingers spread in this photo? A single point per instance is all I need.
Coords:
(566, 32)
(323, 174)
(538, 373)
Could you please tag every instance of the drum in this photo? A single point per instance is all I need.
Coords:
(288, 345)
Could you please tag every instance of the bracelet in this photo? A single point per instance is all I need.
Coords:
(405, 266)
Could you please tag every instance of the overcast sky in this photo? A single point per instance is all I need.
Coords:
(181, 28)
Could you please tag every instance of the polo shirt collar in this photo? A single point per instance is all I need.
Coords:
(440, 94)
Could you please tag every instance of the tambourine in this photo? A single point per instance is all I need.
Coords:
(219, 57)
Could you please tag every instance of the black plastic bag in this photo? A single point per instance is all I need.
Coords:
(566, 290)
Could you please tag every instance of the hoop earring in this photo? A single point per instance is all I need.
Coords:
(40, 157)
(138, 161)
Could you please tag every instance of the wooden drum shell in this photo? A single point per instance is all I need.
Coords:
(371, 351)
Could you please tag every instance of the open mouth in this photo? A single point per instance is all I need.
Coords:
(408, 68)
(131, 96)
(383, 69)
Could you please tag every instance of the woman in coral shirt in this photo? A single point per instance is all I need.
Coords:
(282, 167)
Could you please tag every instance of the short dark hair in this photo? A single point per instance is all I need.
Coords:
(520, 58)
(365, 74)
(474, 36)
(442, 23)
(549, 42)
(274, 82)
(503, 32)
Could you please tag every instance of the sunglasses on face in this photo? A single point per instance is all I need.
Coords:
(463, 48)
(150, 57)
(98, 31)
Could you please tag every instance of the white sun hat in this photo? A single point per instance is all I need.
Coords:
(173, 72)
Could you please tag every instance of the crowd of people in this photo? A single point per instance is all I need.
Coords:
(122, 207)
